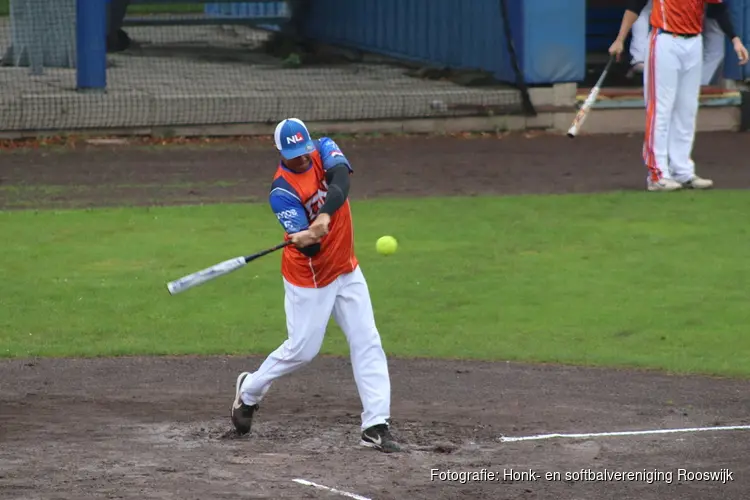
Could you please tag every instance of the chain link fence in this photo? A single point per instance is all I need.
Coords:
(191, 63)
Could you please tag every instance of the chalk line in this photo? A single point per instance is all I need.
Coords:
(509, 439)
(332, 490)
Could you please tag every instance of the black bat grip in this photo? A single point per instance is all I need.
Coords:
(267, 251)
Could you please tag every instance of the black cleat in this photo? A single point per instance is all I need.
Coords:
(242, 414)
(380, 438)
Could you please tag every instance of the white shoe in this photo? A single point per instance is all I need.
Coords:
(698, 183)
(664, 185)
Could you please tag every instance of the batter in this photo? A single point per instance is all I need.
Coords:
(322, 277)
(672, 80)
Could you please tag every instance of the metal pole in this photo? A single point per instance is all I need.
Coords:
(91, 45)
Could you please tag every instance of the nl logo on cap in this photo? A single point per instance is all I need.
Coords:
(294, 139)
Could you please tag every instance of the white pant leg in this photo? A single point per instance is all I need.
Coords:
(354, 314)
(660, 78)
(682, 129)
(713, 50)
(308, 311)
(639, 35)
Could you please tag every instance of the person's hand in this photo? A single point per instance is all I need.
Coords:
(740, 50)
(616, 49)
(304, 238)
(319, 227)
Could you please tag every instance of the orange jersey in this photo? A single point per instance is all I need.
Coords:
(296, 199)
(684, 17)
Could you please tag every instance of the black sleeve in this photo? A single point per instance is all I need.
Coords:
(720, 12)
(636, 6)
(311, 250)
(338, 188)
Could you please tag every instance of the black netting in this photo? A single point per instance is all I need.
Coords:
(193, 64)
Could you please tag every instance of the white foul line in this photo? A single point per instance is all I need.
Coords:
(623, 433)
(332, 490)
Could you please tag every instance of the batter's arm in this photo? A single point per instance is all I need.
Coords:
(292, 216)
(337, 179)
(338, 189)
(337, 171)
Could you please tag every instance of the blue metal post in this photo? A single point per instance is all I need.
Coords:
(91, 45)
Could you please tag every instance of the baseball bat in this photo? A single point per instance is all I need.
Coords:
(220, 269)
(583, 112)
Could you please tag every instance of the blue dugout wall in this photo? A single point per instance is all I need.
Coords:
(549, 35)
(461, 34)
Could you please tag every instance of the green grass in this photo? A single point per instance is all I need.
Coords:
(619, 279)
(176, 8)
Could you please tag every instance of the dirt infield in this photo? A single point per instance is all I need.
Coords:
(232, 171)
(157, 428)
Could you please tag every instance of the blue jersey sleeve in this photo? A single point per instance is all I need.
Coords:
(331, 154)
(288, 209)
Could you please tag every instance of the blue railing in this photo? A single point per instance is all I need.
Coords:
(251, 10)
(247, 10)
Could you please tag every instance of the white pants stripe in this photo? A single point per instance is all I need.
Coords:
(308, 311)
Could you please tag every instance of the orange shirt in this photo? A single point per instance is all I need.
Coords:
(680, 16)
(296, 199)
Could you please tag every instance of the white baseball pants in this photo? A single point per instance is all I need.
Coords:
(672, 80)
(308, 311)
(713, 43)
